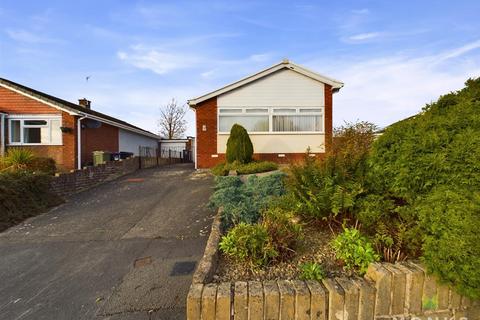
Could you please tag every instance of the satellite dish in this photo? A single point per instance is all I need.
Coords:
(93, 124)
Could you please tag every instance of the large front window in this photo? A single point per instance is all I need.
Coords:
(35, 131)
(270, 119)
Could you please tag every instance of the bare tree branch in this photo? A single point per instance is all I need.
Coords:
(172, 123)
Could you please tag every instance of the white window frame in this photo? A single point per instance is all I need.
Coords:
(272, 111)
(22, 118)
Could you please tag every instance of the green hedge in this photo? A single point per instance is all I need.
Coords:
(440, 146)
(223, 169)
(23, 195)
(425, 172)
(450, 220)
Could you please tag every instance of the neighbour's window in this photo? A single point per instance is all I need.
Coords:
(35, 131)
(278, 119)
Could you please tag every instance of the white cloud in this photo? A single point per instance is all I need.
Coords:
(30, 37)
(157, 60)
(458, 51)
(364, 36)
(385, 90)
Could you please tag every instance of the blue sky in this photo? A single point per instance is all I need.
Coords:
(394, 56)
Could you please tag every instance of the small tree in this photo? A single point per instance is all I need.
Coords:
(172, 123)
(239, 145)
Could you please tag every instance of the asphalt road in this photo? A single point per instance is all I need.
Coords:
(123, 250)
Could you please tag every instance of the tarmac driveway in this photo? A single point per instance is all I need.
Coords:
(123, 250)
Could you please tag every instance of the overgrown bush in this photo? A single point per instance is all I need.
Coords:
(450, 220)
(239, 145)
(244, 202)
(23, 195)
(355, 250)
(222, 169)
(348, 155)
(421, 162)
(440, 146)
(248, 243)
(284, 231)
(312, 271)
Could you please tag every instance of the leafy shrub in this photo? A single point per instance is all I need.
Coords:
(248, 243)
(328, 187)
(451, 220)
(17, 158)
(393, 226)
(440, 146)
(44, 165)
(222, 169)
(243, 202)
(312, 271)
(355, 250)
(239, 145)
(350, 149)
(320, 194)
(23, 195)
(284, 232)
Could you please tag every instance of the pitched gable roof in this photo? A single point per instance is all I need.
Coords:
(285, 64)
(72, 108)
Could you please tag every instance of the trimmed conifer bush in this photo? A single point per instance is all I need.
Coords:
(239, 145)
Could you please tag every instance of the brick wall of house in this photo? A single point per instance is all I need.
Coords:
(328, 117)
(104, 138)
(206, 114)
(12, 102)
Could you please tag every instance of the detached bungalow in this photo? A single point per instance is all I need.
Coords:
(67, 132)
(285, 108)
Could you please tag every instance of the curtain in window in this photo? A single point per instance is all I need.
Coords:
(297, 123)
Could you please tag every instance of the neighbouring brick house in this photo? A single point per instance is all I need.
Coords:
(285, 108)
(64, 131)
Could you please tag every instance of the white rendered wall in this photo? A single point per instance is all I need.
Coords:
(129, 141)
(284, 88)
(279, 143)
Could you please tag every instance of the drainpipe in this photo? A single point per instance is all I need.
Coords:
(196, 139)
(2, 134)
(79, 142)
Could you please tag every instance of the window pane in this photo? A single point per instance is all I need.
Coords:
(256, 110)
(35, 122)
(251, 123)
(311, 110)
(32, 135)
(55, 132)
(284, 110)
(15, 130)
(297, 123)
(230, 110)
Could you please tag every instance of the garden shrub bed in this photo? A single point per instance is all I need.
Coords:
(24, 195)
(314, 248)
(411, 193)
(223, 169)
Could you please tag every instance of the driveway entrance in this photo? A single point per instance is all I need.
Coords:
(123, 250)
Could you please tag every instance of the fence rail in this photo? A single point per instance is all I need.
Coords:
(151, 157)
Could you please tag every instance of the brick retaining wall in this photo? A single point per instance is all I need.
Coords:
(65, 184)
(401, 291)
